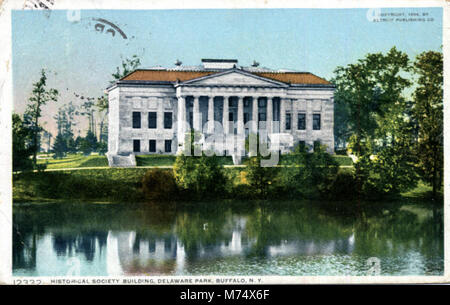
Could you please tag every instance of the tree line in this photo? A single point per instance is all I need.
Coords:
(388, 116)
(29, 133)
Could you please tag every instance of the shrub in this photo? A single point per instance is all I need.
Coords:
(159, 184)
(344, 186)
(308, 174)
(200, 176)
(260, 179)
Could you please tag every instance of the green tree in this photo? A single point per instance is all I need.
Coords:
(60, 146)
(89, 143)
(369, 93)
(22, 150)
(428, 112)
(380, 127)
(39, 97)
(201, 176)
(128, 65)
(259, 178)
(308, 173)
(65, 122)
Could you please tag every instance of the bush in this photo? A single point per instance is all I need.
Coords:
(344, 186)
(159, 184)
(308, 174)
(200, 176)
(260, 179)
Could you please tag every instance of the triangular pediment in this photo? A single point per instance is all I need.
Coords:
(234, 77)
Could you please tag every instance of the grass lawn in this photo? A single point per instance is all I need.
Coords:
(74, 161)
(79, 161)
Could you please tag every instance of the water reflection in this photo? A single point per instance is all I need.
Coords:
(301, 239)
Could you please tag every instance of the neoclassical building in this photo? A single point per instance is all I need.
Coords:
(152, 110)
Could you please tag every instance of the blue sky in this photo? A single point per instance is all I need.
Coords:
(80, 59)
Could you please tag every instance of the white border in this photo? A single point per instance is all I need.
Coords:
(6, 99)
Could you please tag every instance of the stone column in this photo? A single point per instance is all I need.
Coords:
(283, 102)
(225, 115)
(210, 114)
(269, 116)
(181, 118)
(196, 114)
(240, 115)
(255, 113)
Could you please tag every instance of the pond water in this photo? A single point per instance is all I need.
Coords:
(237, 238)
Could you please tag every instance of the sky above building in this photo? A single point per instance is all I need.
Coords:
(80, 50)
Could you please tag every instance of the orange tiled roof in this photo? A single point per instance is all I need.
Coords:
(172, 76)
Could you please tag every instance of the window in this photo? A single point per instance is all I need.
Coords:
(316, 121)
(136, 145)
(246, 103)
(152, 120)
(152, 145)
(246, 117)
(316, 145)
(288, 121)
(261, 117)
(302, 145)
(168, 145)
(230, 117)
(301, 122)
(167, 120)
(262, 103)
(136, 120)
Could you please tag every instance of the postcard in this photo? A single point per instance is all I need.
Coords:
(173, 142)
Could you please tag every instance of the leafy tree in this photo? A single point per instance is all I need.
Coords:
(259, 178)
(89, 143)
(22, 150)
(428, 112)
(128, 65)
(391, 170)
(369, 93)
(308, 173)
(65, 122)
(381, 131)
(39, 97)
(200, 175)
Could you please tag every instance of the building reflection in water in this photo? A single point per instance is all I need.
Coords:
(110, 241)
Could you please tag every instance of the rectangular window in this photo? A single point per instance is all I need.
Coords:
(301, 122)
(316, 121)
(261, 117)
(302, 145)
(316, 145)
(136, 145)
(152, 145)
(168, 145)
(246, 103)
(167, 120)
(230, 117)
(246, 117)
(152, 120)
(288, 121)
(136, 120)
(262, 103)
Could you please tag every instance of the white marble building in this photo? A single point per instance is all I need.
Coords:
(150, 110)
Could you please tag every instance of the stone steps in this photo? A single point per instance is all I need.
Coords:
(121, 161)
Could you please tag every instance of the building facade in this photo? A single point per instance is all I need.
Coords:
(152, 110)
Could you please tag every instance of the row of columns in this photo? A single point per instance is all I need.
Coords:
(225, 120)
